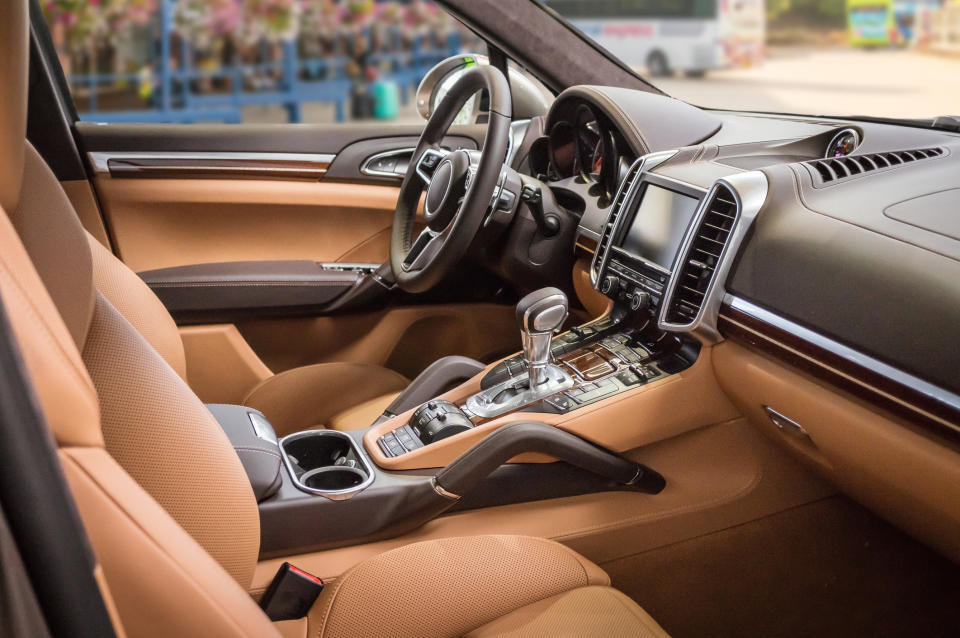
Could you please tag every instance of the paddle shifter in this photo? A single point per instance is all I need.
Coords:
(539, 314)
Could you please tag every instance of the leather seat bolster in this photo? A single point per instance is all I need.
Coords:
(448, 587)
(586, 611)
(137, 303)
(303, 397)
(163, 582)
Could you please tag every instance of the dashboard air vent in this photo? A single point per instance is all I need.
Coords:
(834, 168)
(696, 271)
(603, 244)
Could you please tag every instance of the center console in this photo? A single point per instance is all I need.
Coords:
(584, 396)
(659, 253)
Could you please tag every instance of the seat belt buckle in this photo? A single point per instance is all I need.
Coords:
(290, 594)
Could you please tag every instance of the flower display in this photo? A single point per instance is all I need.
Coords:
(271, 20)
(202, 21)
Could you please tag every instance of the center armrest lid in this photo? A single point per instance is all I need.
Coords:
(255, 442)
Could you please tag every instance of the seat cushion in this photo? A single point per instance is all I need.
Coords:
(362, 414)
(302, 398)
(585, 611)
(452, 586)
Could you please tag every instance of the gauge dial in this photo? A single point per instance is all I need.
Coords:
(589, 144)
(843, 143)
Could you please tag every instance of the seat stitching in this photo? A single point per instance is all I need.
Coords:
(27, 302)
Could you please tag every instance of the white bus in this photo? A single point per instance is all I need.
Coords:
(690, 36)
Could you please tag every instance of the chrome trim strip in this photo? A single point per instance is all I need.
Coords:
(99, 159)
(442, 492)
(782, 422)
(749, 192)
(333, 495)
(397, 152)
(853, 356)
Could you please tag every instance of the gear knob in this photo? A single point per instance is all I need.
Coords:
(539, 314)
(542, 310)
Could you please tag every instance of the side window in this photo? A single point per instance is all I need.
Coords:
(256, 61)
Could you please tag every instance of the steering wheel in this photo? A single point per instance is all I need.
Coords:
(460, 185)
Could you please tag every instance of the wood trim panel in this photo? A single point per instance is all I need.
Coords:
(214, 168)
(929, 413)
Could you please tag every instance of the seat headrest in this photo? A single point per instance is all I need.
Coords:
(14, 66)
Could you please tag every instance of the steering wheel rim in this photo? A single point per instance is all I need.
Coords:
(419, 263)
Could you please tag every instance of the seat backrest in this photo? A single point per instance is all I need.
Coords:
(158, 466)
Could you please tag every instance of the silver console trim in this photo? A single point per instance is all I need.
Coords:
(750, 192)
(481, 405)
(333, 495)
(442, 492)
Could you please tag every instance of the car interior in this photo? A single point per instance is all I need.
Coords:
(597, 362)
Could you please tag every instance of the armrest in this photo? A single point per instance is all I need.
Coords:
(231, 290)
(253, 439)
(440, 376)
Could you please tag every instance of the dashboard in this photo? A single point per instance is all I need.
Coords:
(840, 229)
(815, 262)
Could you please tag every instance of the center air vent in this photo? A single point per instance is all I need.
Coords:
(835, 168)
(699, 264)
(606, 234)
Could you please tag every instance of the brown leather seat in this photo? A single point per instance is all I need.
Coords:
(166, 504)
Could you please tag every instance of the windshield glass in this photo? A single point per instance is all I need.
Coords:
(881, 58)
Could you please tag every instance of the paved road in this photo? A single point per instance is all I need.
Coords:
(832, 81)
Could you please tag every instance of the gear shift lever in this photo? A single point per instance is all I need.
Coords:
(539, 314)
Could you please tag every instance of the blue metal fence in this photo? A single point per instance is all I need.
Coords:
(295, 81)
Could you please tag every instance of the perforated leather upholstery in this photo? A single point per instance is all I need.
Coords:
(323, 394)
(161, 434)
(136, 302)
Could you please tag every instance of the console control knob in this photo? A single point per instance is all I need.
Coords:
(639, 300)
(437, 420)
(610, 285)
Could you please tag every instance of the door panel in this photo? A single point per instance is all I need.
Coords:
(176, 196)
(159, 223)
(183, 195)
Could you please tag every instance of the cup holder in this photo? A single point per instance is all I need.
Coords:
(333, 478)
(326, 462)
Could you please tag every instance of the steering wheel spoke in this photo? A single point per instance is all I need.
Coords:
(425, 247)
(428, 162)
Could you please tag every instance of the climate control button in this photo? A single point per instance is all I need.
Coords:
(639, 300)
(610, 285)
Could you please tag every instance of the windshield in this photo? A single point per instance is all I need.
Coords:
(879, 58)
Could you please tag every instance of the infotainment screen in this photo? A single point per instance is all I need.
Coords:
(659, 224)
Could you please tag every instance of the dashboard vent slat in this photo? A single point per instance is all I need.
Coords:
(606, 234)
(699, 263)
(836, 168)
